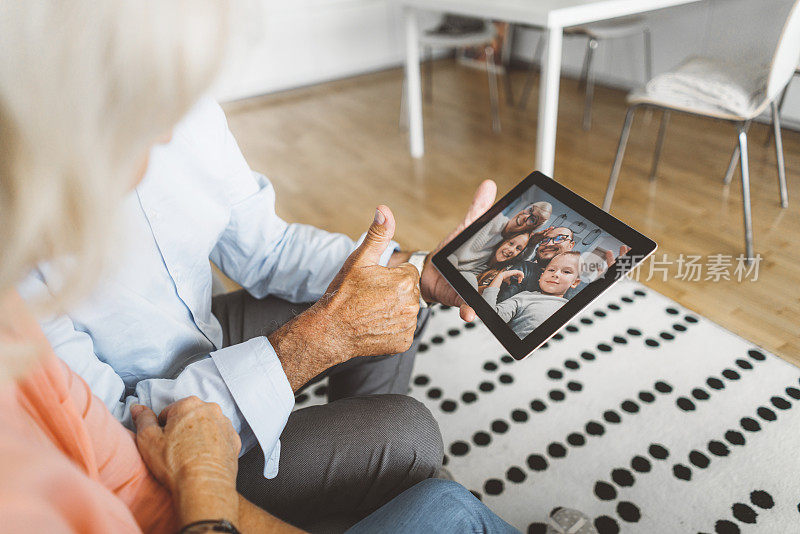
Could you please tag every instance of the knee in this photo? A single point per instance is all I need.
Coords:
(433, 490)
(449, 502)
(414, 434)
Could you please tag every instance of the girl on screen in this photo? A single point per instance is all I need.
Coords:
(502, 256)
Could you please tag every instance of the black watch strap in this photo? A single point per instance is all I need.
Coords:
(210, 525)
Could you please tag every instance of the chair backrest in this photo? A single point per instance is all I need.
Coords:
(787, 54)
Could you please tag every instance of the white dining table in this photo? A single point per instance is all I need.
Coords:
(550, 15)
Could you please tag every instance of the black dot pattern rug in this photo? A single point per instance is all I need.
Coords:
(640, 413)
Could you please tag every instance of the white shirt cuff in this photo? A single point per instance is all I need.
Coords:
(262, 393)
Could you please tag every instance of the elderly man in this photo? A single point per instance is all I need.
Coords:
(151, 333)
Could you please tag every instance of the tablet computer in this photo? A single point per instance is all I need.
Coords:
(537, 258)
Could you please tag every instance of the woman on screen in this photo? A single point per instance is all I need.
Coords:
(474, 255)
(502, 256)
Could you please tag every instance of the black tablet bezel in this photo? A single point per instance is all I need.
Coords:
(641, 248)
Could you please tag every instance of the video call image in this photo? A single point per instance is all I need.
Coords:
(533, 258)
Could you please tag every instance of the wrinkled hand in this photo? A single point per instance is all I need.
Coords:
(433, 285)
(508, 275)
(372, 309)
(193, 450)
(367, 310)
(189, 438)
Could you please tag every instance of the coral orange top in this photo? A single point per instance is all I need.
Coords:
(66, 465)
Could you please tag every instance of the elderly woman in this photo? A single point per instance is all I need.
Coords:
(86, 89)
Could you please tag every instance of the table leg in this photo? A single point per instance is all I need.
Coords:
(548, 102)
(413, 85)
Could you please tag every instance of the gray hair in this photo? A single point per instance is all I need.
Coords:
(86, 88)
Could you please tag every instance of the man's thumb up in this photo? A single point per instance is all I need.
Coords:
(378, 236)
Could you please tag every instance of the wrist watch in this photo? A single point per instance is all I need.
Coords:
(210, 525)
(417, 259)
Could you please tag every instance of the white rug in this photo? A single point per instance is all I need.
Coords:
(640, 413)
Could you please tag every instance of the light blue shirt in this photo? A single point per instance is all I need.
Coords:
(146, 335)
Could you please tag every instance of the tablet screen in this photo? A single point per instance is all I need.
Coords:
(533, 257)
(537, 258)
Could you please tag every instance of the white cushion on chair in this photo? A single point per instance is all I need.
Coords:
(710, 87)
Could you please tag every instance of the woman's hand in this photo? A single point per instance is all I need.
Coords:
(193, 450)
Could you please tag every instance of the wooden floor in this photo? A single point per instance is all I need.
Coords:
(335, 151)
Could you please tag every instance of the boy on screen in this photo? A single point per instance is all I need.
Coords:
(528, 309)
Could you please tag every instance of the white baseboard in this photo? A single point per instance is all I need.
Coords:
(569, 72)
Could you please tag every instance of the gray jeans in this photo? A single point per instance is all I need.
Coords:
(342, 460)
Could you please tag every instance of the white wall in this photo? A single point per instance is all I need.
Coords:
(286, 44)
(290, 43)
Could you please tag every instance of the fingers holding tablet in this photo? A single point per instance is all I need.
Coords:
(433, 286)
(535, 259)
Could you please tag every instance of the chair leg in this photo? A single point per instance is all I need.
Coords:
(584, 67)
(587, 104)
(428, 53)
(402, 122)
(781, 100)
(662, 132)
(509, 89)
(745, 173)
(491, 70)
(776, 124)
(648, 55)
(731, 166)
(734, 159)
(623, 141)
(535, 61)
(508, 44)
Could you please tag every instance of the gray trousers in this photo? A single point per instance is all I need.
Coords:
(343, 460)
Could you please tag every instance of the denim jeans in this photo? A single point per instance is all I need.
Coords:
(433, 505)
